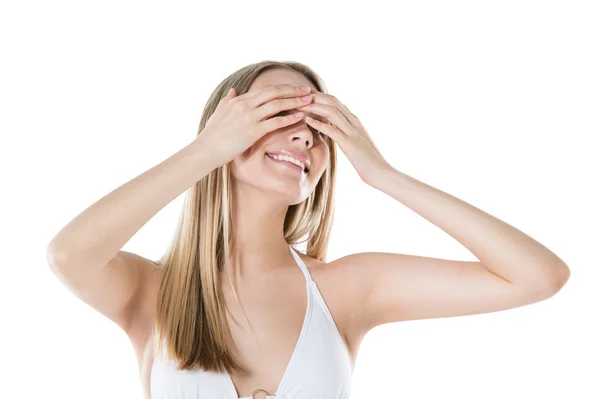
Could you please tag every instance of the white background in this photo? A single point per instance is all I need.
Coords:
(495, 103)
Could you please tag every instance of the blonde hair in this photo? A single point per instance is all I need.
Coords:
(189, 312)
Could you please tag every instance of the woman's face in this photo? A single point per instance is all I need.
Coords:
(253, 166)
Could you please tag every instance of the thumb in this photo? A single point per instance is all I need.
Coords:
(230, 94)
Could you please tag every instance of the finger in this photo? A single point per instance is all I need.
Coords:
(332, 113)
(230, 94)
(328, 99)
(329, 129)
(270, 93)
(279, 122)
(279, 106)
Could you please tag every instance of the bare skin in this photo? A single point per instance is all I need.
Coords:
(362, 290)
(123, 286)
(266, 352)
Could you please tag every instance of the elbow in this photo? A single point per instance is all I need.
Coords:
(560, 278)
(55, 256)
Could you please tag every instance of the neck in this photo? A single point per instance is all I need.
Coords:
(260, 246)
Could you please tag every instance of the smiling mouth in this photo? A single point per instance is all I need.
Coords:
(305, 170)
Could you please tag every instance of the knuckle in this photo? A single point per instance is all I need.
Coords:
(241, 105)
(274, 89)
(332, 100)
(285, 120)
(278, 104)
(234, 101)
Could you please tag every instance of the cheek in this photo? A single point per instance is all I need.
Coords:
(245, 166)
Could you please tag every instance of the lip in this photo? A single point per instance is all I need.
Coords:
(298, 155)
(287, 164)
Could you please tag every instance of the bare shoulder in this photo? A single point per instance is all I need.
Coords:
(335, 283)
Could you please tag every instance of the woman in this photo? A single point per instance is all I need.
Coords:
(259, 178)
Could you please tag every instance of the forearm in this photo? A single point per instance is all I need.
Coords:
(101, 230)
(503, 249)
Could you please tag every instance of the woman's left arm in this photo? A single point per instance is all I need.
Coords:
(502, 249)
(513, 269)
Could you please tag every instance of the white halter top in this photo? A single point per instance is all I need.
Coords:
(319, 368)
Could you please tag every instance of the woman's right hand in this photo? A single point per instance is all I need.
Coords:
(238, 122)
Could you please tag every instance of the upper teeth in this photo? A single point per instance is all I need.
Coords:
(289, 159)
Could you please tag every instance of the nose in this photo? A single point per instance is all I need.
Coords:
(302, 133)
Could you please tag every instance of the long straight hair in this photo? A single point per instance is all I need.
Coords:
(190, 308)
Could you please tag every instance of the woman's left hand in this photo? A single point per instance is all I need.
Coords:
(350, 135)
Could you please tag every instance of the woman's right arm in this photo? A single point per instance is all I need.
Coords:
(86, 254)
